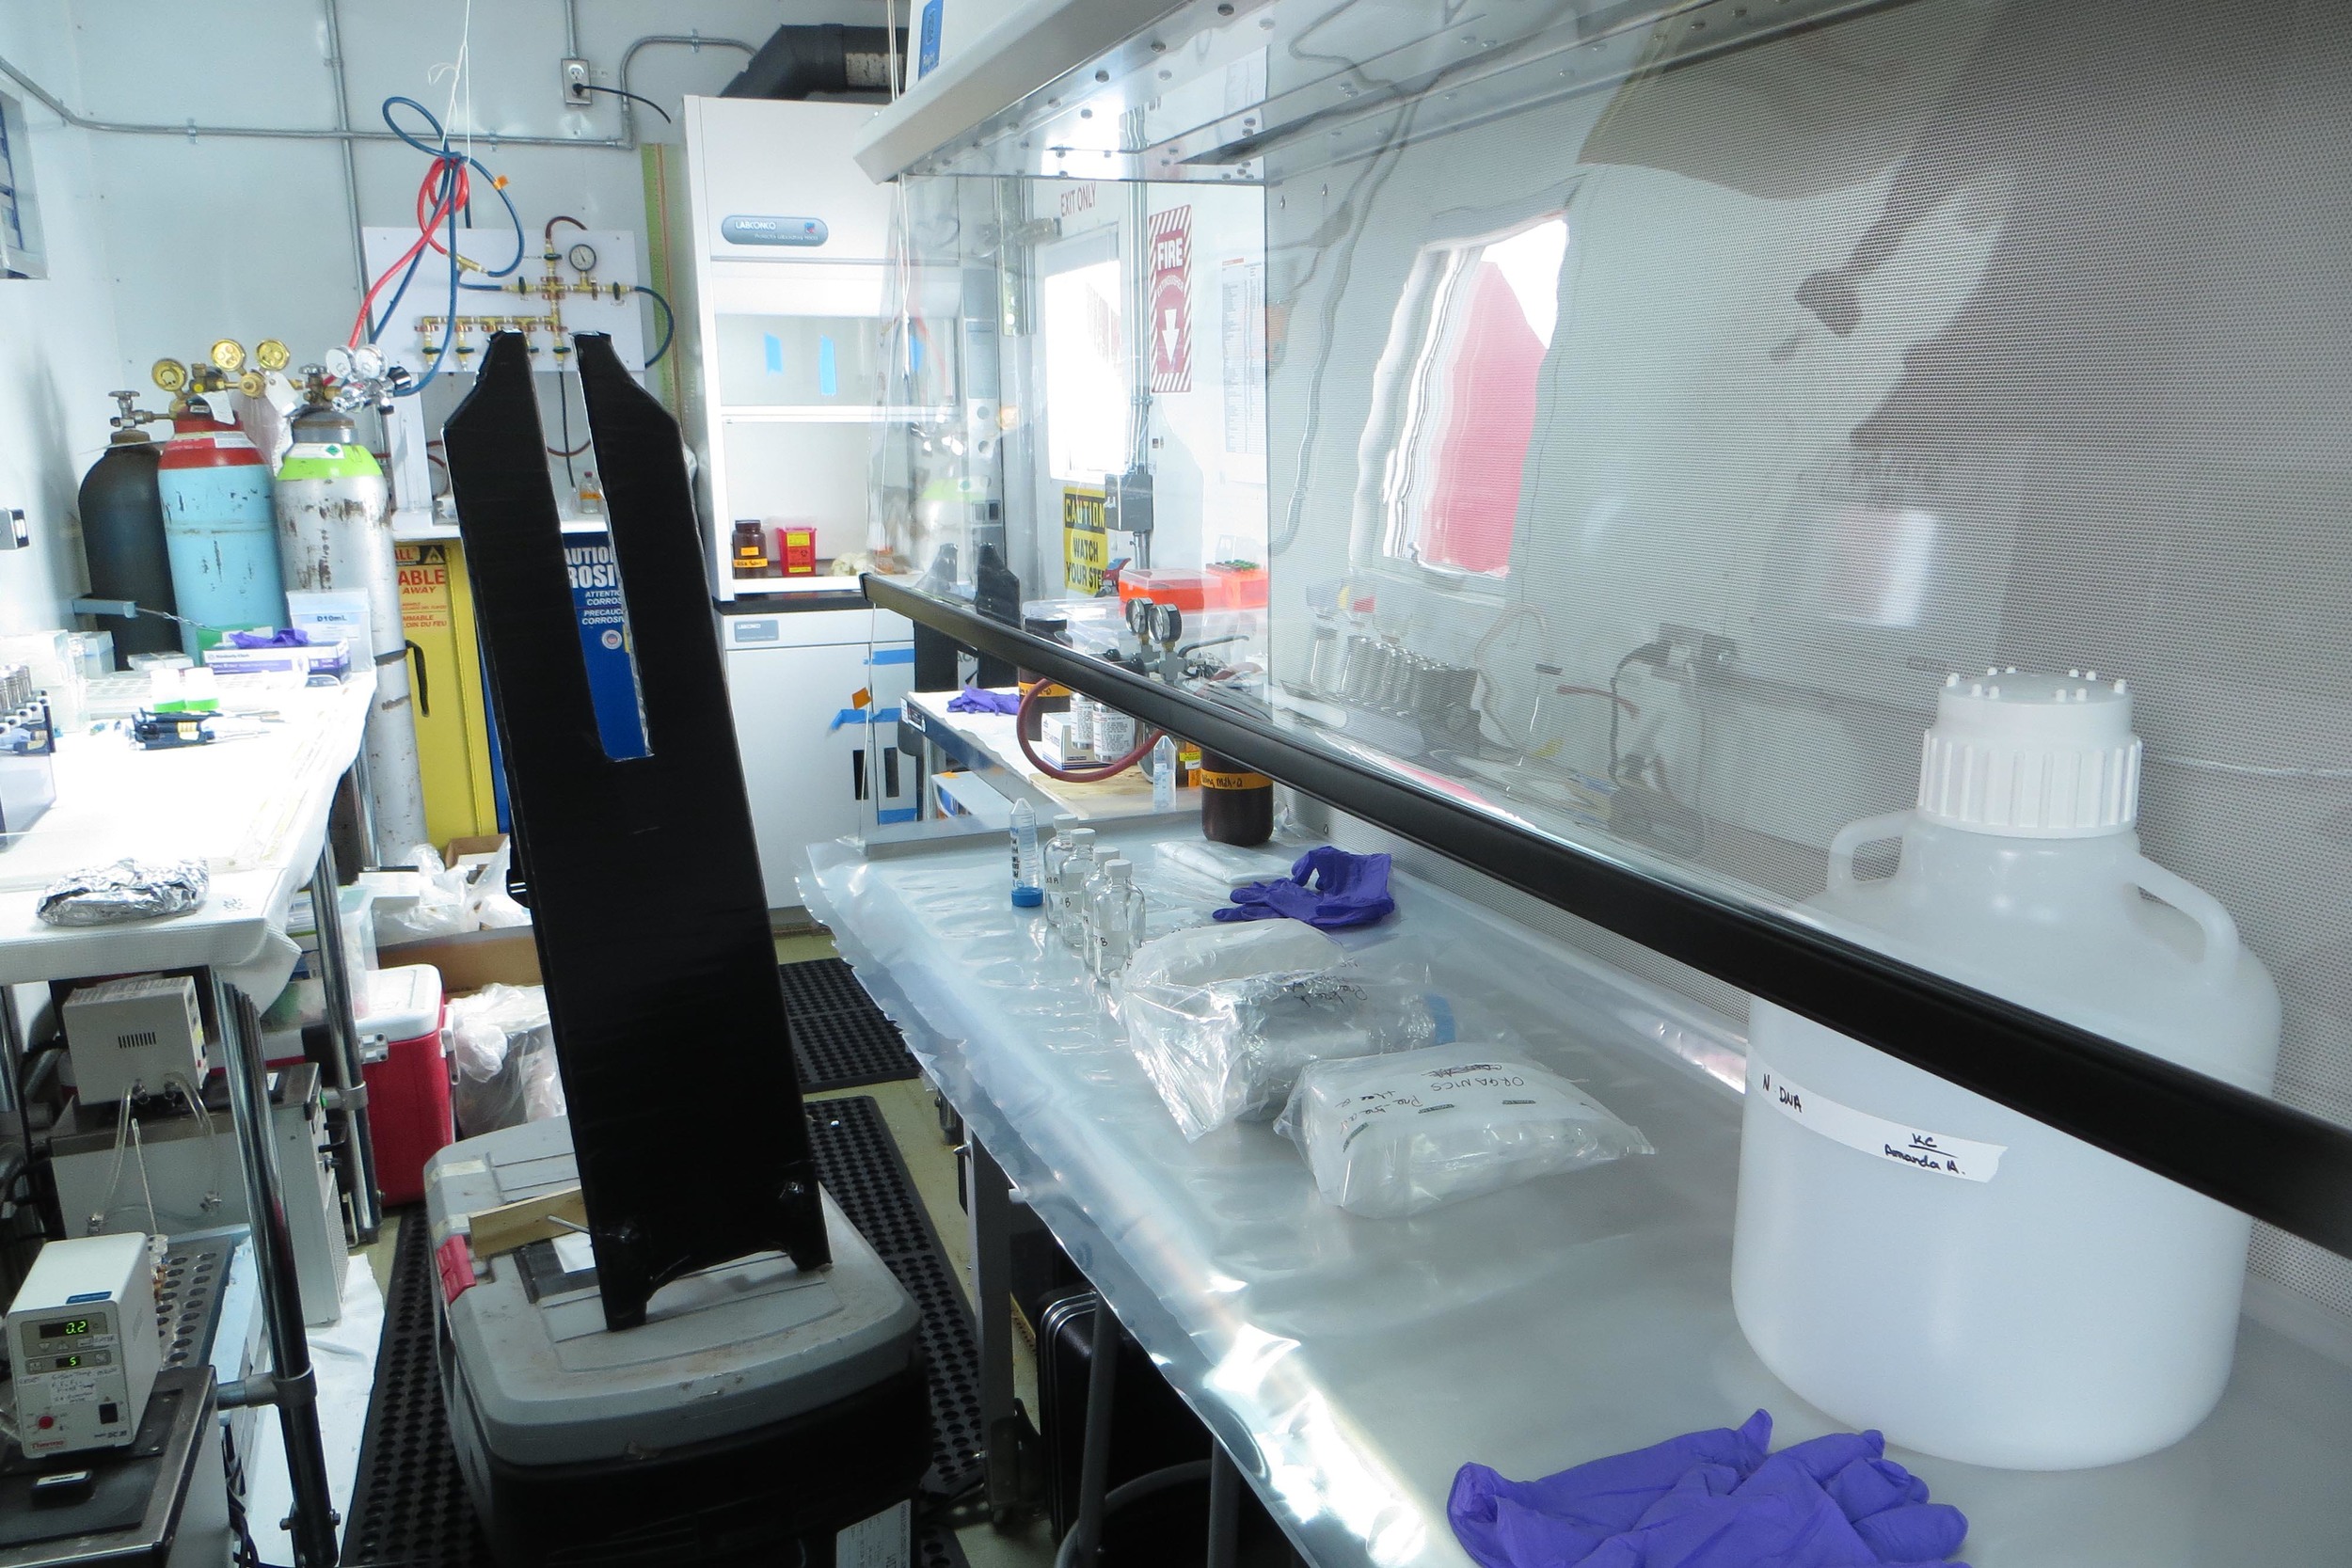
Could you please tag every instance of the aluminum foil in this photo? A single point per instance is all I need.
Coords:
(127, 889)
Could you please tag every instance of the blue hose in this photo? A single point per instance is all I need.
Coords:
(449, 161)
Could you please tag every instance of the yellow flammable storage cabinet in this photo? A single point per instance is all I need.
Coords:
(452, 722)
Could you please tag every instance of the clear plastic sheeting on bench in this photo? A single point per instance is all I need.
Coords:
(1354, 1364)
(1623, 418)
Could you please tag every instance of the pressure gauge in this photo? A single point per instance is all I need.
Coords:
(367, 362)
(228, 354)
(338, 362)
(169, 374)
(271, 355)
(583, 258)
(252, 384)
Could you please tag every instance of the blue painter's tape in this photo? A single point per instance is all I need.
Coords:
(858, 716)
(891, 656)
(896, 814)
(772, 346)
(828, 369)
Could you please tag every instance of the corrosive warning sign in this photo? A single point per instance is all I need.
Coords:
(1171, 300)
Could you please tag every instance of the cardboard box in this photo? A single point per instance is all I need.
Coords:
(472, 960)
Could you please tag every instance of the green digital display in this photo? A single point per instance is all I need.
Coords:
(66, 1329)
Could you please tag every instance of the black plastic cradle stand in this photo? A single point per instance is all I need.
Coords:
(650, 916)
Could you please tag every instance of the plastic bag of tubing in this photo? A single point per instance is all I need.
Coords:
(503, 1053)
(1392, 1135)
(1223, 1016)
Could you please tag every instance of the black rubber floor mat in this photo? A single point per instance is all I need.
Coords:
(408, 1502)
(839, 1037)
(861, 1167)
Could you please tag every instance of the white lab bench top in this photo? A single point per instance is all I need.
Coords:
(989, 744)
(1352, 1366)
(254, 809)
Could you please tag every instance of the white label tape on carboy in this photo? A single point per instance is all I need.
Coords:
(1938, 1153)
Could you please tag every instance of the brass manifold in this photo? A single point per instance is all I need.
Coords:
(529, 326)
(549, 286)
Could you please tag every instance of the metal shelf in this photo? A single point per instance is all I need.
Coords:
(2277, 1164)
(1216, 90)
(822, 413)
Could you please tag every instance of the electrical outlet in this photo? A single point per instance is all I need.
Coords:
(14, 535)
(576, 93)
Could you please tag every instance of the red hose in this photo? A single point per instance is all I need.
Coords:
(454, 195)
(1072, 775)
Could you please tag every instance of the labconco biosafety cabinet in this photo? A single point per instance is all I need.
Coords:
(788, 241)
(1695, 464)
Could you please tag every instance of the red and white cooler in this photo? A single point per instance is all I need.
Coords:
(408, 1113)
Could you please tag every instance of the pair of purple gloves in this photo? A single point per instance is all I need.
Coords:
(978, 699)
(1328, 888)
(1712, 1499)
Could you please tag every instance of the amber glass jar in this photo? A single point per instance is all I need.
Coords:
(1236, 805)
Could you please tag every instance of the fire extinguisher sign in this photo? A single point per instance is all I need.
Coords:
(1171, 300)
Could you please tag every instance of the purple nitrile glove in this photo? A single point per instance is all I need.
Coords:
(1834, 1502)
(283, 637)
(1328, 888)
(1562, 1519)
(975, 699)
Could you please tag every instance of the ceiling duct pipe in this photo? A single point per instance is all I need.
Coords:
(804, 61)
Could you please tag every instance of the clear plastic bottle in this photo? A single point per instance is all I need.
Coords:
(1052, 853)
(1164, 774)
(1114, 919)
(1027, 890)
(1083, 883)
(1066, 873)
(1913, 1257)
(1067, 898)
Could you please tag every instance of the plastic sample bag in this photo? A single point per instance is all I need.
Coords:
(1393, 1135)
(504, 1054)
(1224, 1016)
(452, 899)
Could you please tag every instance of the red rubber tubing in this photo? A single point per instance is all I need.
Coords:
(1069, 775)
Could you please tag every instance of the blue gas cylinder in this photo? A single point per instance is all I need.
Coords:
(220, 528)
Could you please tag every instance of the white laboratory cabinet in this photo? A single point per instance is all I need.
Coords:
(818, 763)
(788, 241)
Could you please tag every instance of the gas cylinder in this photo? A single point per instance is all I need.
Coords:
(219, 527)
(335, 535)
(122, 536)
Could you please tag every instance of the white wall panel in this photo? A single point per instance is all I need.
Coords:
(58, 352)
(248, 239)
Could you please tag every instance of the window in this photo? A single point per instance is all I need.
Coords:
(20, 226)
(1487, 307)
(1087, 400)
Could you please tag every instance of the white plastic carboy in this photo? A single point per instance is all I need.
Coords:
(1913, 1257)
